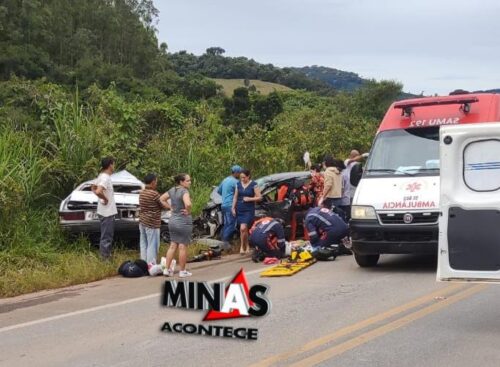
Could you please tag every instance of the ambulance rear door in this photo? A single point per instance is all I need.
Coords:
(469, 222)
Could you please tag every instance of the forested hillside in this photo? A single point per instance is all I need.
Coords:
(84, 79)
(338, 79)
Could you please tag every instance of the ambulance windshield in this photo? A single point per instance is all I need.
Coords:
(411, 152)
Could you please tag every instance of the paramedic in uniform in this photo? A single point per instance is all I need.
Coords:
(325, 228)
(268, 236)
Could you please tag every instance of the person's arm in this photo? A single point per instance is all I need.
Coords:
(311, 231)
(357, 159)
(257, 195)
(164, 201)
(219, 189)
(235, 200)
(328, 185)
(98, 190)
(186, 199)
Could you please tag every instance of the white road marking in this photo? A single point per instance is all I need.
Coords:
(102, 307)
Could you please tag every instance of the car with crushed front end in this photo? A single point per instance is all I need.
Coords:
(210, 222)
(78, 211)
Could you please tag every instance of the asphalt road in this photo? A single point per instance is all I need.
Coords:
(331, 314)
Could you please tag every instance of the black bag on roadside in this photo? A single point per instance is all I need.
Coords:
(133, 269)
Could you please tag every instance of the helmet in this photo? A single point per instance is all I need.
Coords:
(142, 265)
(131, 269)
(325, 254)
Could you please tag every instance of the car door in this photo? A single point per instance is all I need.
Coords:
(469, 224)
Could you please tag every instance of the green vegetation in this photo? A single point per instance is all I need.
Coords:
(63, 107)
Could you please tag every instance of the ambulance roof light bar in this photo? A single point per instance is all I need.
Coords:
(407, 106)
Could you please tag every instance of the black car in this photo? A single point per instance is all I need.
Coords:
(210, 222)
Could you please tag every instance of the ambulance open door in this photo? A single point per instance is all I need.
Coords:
(469, 224)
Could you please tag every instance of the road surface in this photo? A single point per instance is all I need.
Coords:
(331, 314)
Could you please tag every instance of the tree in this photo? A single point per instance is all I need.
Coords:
(215, 51)
(66, 40)
(241, 100)
(267, 107)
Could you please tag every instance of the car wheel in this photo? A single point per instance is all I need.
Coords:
(366, 261)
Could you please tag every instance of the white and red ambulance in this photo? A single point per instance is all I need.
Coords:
(396, 207)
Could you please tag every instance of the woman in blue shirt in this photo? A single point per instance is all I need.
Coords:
(247, 193)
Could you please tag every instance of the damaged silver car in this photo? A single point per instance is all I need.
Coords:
(78, 212)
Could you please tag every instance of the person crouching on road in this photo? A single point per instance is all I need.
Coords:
(226, 190)
(325, 228)
(267, 236)
(150, 205)
(106, 206)
(180, 224)
(247, 193)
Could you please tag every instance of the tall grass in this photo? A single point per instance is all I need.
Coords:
(22, 173)
(75, 141)
(21, 162)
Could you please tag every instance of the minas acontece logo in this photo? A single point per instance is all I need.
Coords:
(221, 302)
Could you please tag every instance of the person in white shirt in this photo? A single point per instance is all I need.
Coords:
(307, 161)
(354, 158)
(106, 206)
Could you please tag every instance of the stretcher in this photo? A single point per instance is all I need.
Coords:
(285, 268)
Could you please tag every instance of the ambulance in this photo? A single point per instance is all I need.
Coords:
(396, 208)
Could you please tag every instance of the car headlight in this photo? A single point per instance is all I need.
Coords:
(363, 212)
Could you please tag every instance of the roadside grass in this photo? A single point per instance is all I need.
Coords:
(23, 272)
(229, 85)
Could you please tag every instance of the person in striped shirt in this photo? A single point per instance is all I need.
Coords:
(151, 204)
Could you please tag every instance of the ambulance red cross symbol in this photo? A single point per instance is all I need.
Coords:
(412, 187)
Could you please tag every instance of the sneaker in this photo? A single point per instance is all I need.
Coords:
(184, 274)
(168, 273)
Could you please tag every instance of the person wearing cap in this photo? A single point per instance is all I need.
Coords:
(226, 190)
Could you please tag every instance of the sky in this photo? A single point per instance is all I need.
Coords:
(430, 46)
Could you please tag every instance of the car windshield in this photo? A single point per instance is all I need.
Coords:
(408, 152)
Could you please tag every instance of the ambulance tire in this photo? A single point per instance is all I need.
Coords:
(366, 261)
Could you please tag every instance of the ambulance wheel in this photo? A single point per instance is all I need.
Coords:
(366, 261)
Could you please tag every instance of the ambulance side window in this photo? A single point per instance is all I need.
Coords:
(481, 170)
